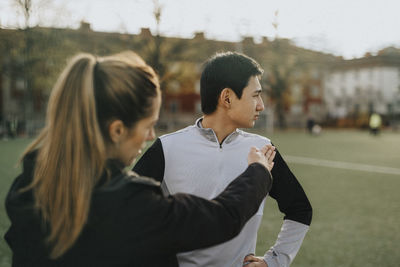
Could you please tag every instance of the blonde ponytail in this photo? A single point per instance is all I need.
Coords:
(71, 156)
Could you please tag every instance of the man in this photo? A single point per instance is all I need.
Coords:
(189, 161)
(375, 123)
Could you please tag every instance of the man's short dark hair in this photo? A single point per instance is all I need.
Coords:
(225, 70)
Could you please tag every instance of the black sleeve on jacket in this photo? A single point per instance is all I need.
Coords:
(289, 194)
(152, 162)
(184, 222)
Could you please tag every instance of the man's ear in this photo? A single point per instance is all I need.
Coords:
(225, 97)
(116, 130)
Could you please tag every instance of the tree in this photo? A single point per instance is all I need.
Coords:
(278, 74)
(26, 7)
(32, 59)
(279, 80)
(155, 59)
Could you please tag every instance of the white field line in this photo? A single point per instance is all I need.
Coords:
(342, 165)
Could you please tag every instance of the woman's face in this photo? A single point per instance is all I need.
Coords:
(134, 139)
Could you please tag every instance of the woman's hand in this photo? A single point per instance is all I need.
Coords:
(253, 261)
(264, 156)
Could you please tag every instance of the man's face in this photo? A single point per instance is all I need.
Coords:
(245, 111)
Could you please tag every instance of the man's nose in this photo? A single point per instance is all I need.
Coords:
(260, 105)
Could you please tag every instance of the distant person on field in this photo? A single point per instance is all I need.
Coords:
(313, 128)
(375, 123)
(75, 204)
(310, 124)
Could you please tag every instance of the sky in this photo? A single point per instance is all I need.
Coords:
(347, 28)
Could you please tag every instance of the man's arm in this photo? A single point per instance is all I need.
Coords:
(152, 162)
(293, 202)
(289, 194)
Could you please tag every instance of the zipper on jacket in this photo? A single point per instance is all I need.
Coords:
(220, 144)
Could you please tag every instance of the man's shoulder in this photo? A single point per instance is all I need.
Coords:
(252, 136)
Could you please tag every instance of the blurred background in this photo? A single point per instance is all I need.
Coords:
(330, 63)
(332, 73)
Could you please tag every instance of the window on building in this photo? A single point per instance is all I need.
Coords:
(296, 109)
(356, 108)
(356, 75)
(371, 107)
(357, 91)
(315, 74)
(390, 108)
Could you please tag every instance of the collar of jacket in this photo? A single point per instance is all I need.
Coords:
(210, 135)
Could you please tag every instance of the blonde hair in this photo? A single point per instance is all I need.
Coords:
(89, 94)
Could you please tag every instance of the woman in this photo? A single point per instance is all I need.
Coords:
(75, 205)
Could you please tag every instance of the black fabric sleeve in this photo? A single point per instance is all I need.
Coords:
(152, 162)
(187, 222)
(289, 194)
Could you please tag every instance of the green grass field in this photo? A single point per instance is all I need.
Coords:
(356, 219)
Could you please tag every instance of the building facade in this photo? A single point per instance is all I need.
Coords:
(356, 88)
(298, 83)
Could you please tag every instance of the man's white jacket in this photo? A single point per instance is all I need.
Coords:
(192, 161)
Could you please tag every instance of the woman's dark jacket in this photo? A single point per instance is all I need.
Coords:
(132, 224)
